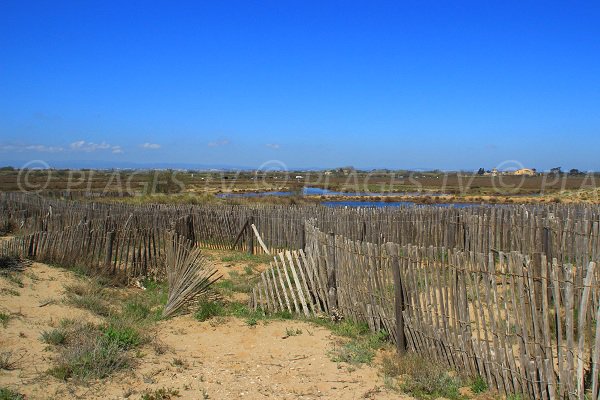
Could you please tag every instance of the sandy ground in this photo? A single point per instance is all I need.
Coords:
(217, 359)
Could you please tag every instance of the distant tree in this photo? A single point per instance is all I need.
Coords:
(575, 171)
(556, 170)
(481, 171)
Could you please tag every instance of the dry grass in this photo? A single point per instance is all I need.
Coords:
(9, 394)
(87, 350)
(89, 296)
(421, 378)
(9, 360)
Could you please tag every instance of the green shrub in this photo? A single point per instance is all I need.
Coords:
(136, 310)
(55, 337)
(125, 337)
(90, 359)
(208, 310)
(4, 318)
(359, 350)
(479, 385)
(8, 394)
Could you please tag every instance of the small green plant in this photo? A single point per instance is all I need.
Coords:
(252, 321)
(160, 394)
(423, 379)
(479, 385)
(248, 258)
(282, 315)
(8, 394)
(88, 296)
(136, 310)
(359, 350)
(125, 337)
(90, 303)
(179, 362)
(9, 291)
(345, 328)
(208, 310)
(353, 352)
(292, 332)
(15, 279)
(4, 318)
(54, 337)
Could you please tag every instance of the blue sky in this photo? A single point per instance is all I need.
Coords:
(399, 84)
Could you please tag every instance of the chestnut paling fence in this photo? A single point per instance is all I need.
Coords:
(510, 293)
(520, 322)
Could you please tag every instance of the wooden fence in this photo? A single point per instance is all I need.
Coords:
(510, 293)
(569, 233)
(520, 322)
(119, 252)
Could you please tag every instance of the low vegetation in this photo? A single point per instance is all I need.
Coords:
(250, 259)
(424, 378)
(9, 360)
(88, 350)
(4, 318)
(213, 309)
(9, 394)
(160, 394)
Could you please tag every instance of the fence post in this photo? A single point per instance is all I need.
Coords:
(109, 249)
(546, 243)
(392, 250)
(250, 236)
(331, 279)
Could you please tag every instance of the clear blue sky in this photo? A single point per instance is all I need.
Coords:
(412, 84)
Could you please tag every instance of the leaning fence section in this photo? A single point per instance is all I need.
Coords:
(520, 322)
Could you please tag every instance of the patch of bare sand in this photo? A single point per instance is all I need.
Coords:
(37, 308)
(234, 360)
(221, 358)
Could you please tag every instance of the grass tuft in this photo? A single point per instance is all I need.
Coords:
(160, 394)
(8, 361)
(421, 378)
(54, 337)
(479, 385)
(253, 259)
(208, 310)
(90, 359)
(88, 296)
(360, 349)
(9, 394)
(125, 337)
(4, 318)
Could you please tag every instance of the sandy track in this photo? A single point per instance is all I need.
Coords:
(222, 359)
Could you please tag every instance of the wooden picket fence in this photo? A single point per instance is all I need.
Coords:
(570, 233)
(510, 293)
(521, 323)
(121, 253)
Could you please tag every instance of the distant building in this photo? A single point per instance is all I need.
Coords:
(525, 172)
